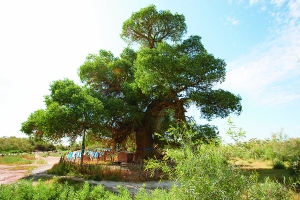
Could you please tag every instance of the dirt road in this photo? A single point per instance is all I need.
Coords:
(12, 173)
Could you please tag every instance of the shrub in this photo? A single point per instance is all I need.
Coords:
(61, 169)
(54, 190)
(278, 164)
(44, 147)
(296, 166)
(15, 145)
(204, 173)
(207, 175)
(267, 190)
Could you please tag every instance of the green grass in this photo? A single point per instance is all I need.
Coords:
(264, 170)
(17, 160)
(55, 154)
(278, 175)
(41, 161)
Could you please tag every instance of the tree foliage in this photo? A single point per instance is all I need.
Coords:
(15, 145)
(149, 27)
(70, 110)
(23, 145)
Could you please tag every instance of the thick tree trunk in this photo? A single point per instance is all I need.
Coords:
(144, 133)
(144, 142)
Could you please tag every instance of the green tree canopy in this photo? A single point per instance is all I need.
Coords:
(149, 27)
(70, 111)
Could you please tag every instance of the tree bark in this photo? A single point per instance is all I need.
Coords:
(144, 133)
(145, 149)
(144, 140)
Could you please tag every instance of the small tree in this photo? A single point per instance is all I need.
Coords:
(71, 111)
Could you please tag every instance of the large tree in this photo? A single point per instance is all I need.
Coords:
(146, 90)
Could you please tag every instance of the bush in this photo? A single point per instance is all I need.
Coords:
(296, 166)
(202, 172)
(44, 147)
(207, 175)
(268, 190)
(55, 190)
(278, 164)
(15, 145)
(61, 169)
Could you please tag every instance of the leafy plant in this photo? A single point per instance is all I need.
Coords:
(202, 171)
(278, 164)
(268, 190)
(236, 134)
(58, 189)
(296, 166)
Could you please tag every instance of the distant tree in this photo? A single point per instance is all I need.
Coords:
(145, 91)
(15, 145)
(34, 125)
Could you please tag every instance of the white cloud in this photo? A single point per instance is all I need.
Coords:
(270, 74)
(294, 7)
(252, 2)
(232, 20)
(278, 2)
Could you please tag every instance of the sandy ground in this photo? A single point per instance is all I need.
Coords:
(8, 175)
(12, 173)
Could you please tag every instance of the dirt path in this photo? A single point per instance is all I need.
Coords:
(12, 173)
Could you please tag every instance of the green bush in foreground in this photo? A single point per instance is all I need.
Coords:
(202, 172)
(24, 190)
(268, 190)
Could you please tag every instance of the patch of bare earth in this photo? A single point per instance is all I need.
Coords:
(12, 173)
(9, 175)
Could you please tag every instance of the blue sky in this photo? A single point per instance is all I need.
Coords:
(42, 41)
